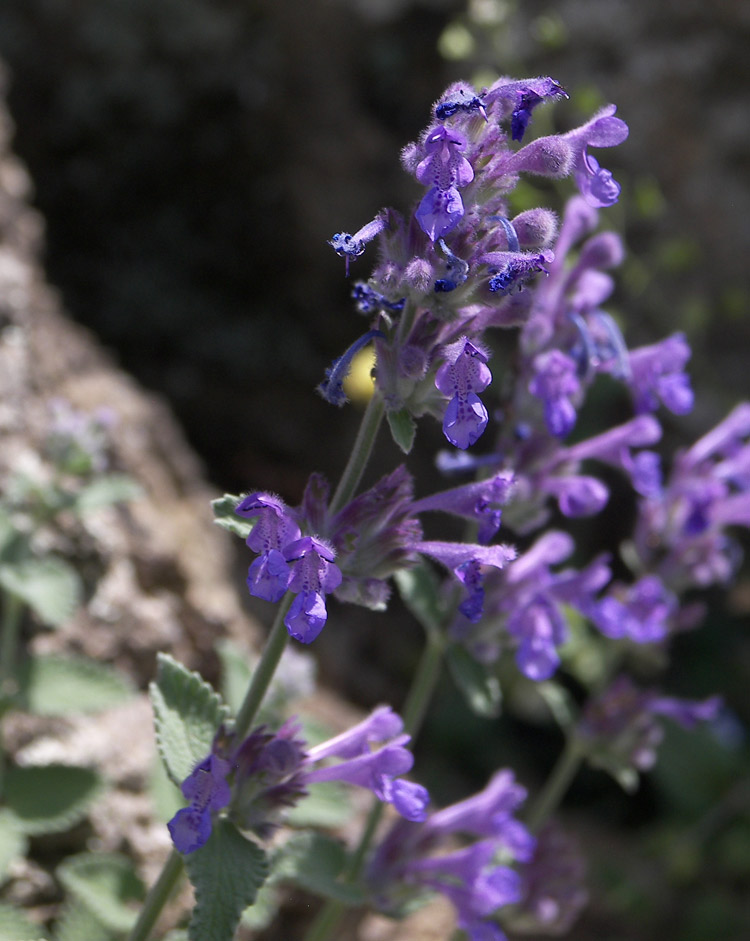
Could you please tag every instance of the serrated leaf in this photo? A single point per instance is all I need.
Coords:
(105, 883)
(314, 862)
(480, 688)
(15, 926)
(327, 805)
(50, 798)
(420, 591)
(78, 923)
(403, 429)
(105, 490)
(57, 685)
(225, 516)
(13, 842)
(187, 714)
(226, 874)
(50, 587)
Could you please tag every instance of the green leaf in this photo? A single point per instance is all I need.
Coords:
(327, 805)
(225, 516)
(315, 862)
(226, 874)
(187, 714)
(15, 926)
(167, 798)
(78, 923)
(420, 591)
(264, 909)
(106, 489)
(13, 842)
(57, 685)
(50, 587)
(480, 688)
(50, 798)
(403, 428)
(105, 883)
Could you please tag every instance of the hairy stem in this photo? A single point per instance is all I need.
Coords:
(363, 445)
(556, 785)
(157, 897)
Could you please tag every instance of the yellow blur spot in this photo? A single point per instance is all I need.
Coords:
(359, 384)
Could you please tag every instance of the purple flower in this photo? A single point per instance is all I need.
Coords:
(443, 169)
(480, 501)
(377, 770)
(552, 886)
(512, 269)
(207, 790)
(350, 246)
(313, 574)
(459, 98)
(657, 376)
(555, 382)
(275, 527)
(597, 185)
(424, 856)
(621, 728)
(463, 374)
(641, 612)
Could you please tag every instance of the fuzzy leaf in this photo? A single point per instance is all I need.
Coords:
(226, 874)
(78, 923)
(326, 805)
(105, 883)
(50, 798)
(13, 842)
(187, 714)
(480, 688)
(50, 587)
(315, 862)
(56, 685)
(225, 516)
(15, 926)
(420, 591)
(403, 429)
(106, 489)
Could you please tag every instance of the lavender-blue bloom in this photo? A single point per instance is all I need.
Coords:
(641, 612)
(463, 374)
(556, 383)
(207, 790)
(350, 246)
(443, 169)
(313, 575)
(658, 376)
(275, 527)
(597, 185)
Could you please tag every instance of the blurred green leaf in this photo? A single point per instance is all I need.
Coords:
(50, 798)
(480, 687)
(55, 685)
(105, 490)
(50, 587)
(105, 883)
(225, 516)
(15, 926)
(13, 842)
(403, 428)
(315, 862)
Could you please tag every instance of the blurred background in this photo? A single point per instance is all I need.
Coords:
(192, 157)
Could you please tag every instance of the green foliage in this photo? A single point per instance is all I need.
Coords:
(49, 798)
(403, 428)
(57, 685)
(315, 862)
(187, 715)
(480, 687)
(236, 672)
(13, 842)
(49, 586)
(327, 805)
(226, 874)
(78, 923)
(15, 926)
(104, 490)
(225, 517)
(105, 884)
(420, 590)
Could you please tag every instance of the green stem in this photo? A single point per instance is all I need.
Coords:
(556, 785)
(423, 685)
(361, 452)
(264, 670)
(12, 610)
(157, 897)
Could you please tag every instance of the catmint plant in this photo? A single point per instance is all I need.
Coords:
(491, 322)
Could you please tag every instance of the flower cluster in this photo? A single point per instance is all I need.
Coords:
(255, 779)
(475, 877)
